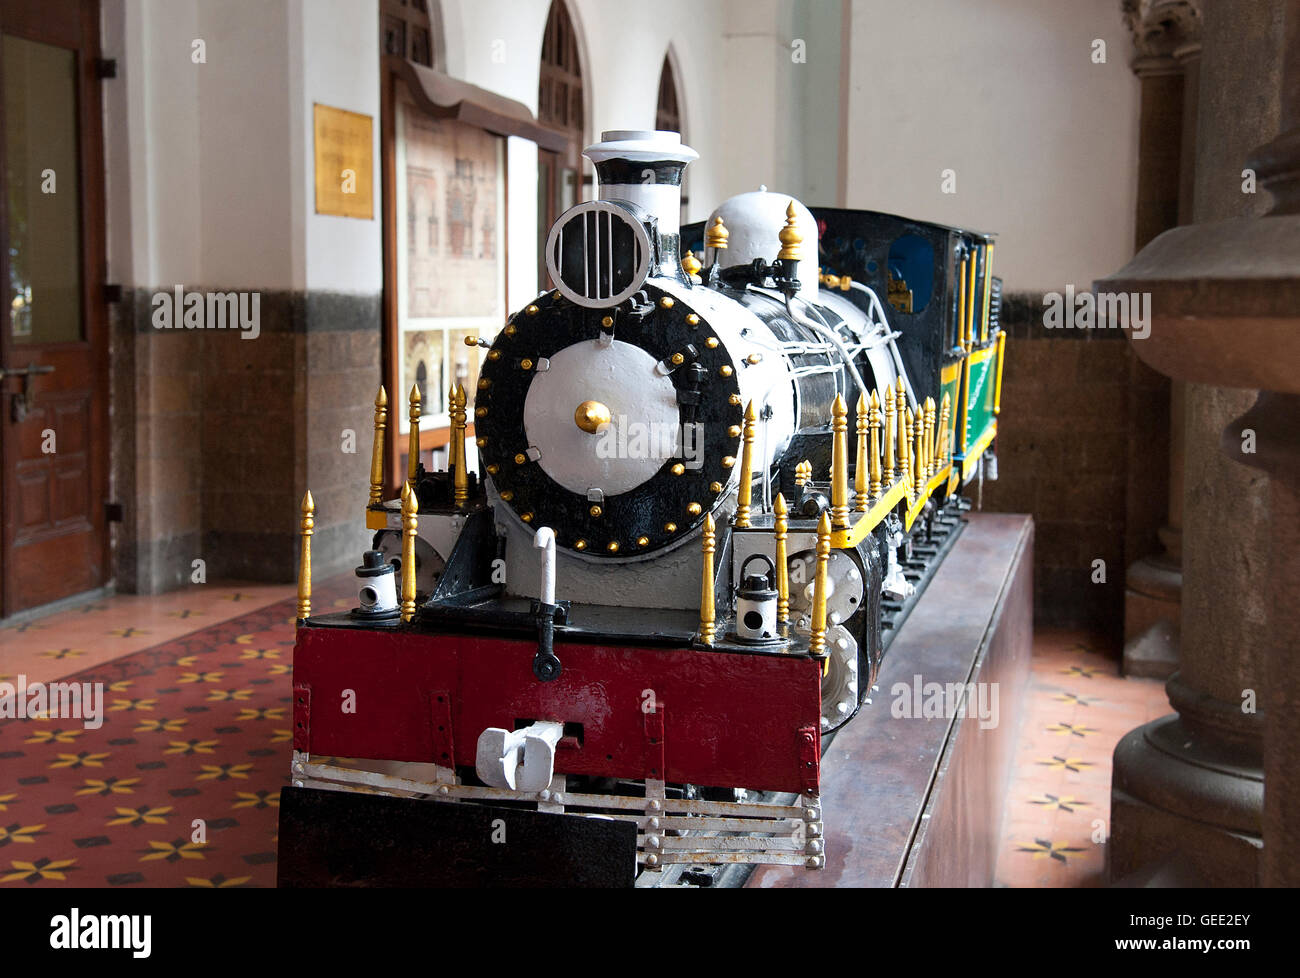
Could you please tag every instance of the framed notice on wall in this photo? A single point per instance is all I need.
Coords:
(449, 246)
(344, 160)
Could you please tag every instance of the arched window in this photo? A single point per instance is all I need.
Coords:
(668, 114)
(407, 30)
(560, 106)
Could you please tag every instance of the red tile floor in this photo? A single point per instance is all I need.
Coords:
(194, 739)
(1076, 709)
(196, 726)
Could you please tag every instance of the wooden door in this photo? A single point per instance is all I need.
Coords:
(53, 343)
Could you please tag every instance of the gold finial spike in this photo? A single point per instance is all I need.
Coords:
(909, 471)
(941, 451)
(717, 234)
(781, 525)
(839, 463)
(873, 423)
(931, 436)
(746, 468)
(803, 473)
(413, 446)
(410, 509)
(924, 425)
(860, 469)
(889, 437)
(932, 422)
(377, 451)
(707, 617)
(459, 477)
(452, 446)
(817, 640)
(306, 528)
(691, 265)
(918, 449)
(904, 434)
(789, 235)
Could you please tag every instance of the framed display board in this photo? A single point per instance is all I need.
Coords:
(449, 247)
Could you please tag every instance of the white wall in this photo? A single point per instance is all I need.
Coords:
(210, 165)
(1043, 141)
(623, 49)
(337, 50)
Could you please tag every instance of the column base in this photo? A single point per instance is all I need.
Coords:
(1178, 794)
(1153, 592)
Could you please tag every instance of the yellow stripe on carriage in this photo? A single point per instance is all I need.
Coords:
(997, 382)
(970, 304)
(882, 507)
(988, 289)
(981, 445)
(961, 304)
(938, 481)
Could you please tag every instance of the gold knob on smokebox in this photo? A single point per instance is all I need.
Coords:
(789, 235)
(590, 415)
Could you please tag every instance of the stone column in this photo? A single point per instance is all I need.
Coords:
(1275, 422)
(1224, 316)
(1166, 36)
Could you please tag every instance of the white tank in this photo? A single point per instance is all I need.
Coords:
(754, 222)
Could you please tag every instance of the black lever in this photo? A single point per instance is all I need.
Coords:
(546, 664)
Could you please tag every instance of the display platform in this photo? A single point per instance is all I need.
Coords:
(917, 800)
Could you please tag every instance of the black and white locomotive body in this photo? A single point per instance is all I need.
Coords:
(691, 529)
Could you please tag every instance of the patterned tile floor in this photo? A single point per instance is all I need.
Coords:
(109, 628)
(197, 727)
(1058, 805)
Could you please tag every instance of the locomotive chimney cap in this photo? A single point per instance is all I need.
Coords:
(640, 145)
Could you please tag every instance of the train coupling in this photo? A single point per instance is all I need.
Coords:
(522, 760)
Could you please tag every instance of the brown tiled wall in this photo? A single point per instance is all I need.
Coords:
(215, 439)
(1083, 446)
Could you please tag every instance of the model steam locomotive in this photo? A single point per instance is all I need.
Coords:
(709, 482)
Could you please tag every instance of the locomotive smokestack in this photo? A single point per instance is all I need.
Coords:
(644, 167)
